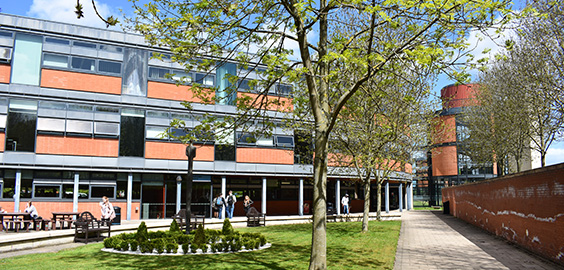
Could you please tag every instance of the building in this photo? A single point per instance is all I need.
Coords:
(81, 113)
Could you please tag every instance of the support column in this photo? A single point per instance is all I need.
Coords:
(409, 196)
(301, 198)
(18, 189)
(129, 194)
(387, 196)
(338, 196)
(400, 193)
(75, 192)
(263, 201)
(178, 193)
(224, 192)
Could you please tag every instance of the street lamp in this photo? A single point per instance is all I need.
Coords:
(191, 154)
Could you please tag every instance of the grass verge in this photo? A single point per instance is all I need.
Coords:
(348, 248)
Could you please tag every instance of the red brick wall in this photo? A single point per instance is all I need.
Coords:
(80, 81)
(458, 95)
(264, 155)
(5, 73)
(77, 146)
(526, 208)
(46, 208)
(2, 141)
(171, 91)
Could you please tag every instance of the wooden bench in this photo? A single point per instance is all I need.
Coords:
(88, 228)
(255, 218)
(13, 223)
(196, 220)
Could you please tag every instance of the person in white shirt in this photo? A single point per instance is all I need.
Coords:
(345, 203)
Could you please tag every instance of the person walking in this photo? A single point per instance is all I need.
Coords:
(247, 203)
(345, 203)
(231, 200)
(107, 209)
(219, 202)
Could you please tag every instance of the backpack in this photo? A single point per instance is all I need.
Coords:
(230, 200)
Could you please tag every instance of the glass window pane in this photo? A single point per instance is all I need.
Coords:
(22, 105)
(47, 191)
(51, 124)
(246, 139)
(134, 75)
(80, 107)
(84, 44)
(265, 141)
(5, 34)
(157, 73)
(224, 152)
(53, 60)
(52, 105)
(105, 109)
(111, 48)
(26, 188)
(156, 133)
(132, 136)
(20, 132)
(182, 77)
(205, 79)
(111, 67)
(284, 89)
(78, 126)
(158, 114)
(8, 188)
(57, 41)
(106, 128)
(83, 63)
(101, 191)
(83, 191)
(284, 141)
(26, 63)
(68, 191)
(121, 192)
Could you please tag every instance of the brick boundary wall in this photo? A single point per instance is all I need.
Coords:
(525, 208)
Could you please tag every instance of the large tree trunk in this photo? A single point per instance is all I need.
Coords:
(318, 258)
(366, 214)
(378, 198)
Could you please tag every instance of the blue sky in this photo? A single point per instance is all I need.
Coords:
(63, 10)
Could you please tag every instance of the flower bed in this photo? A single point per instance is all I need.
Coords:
(176, 242)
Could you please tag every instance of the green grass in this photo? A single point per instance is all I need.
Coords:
(347, 249)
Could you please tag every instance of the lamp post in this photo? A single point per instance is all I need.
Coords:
(191, 154)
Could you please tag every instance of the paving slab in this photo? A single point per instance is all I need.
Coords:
(433, 240)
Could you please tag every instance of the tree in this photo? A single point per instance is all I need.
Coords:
(207, 34)
(380, 128)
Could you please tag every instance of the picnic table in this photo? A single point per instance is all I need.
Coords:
(14, 220)
(63, 218)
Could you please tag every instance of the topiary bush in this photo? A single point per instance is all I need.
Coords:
(159, 245)
(142, 234)
(146, 247)
(227, 228)
(199, 236)
(174, 227)
(171, 247)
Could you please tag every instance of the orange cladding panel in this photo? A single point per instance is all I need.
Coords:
(273, 103)
(177, 151)
(5, 73)
(2, 137)
(78, 146)
(171, 91)
(444, 160)
(265, 155)
(80, 81)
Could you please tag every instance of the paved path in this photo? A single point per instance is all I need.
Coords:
(432, 240)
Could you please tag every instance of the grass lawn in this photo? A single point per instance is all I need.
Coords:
(347, 249)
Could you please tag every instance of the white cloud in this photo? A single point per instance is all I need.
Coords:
(63, 11)
(481, 41)
(555, 155)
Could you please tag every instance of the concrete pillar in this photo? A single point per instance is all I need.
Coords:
(178, 194)
(387, 196)
(129, 194)
(224, 192)
(263, 201)
(18, 190)
(75, 192)
(400, 193)
(338, 196)
(410, 196)
(301, 198)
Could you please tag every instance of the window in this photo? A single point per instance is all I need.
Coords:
(84, 44)
(57, 41)
(134, 75)
(80, 107)
(265, 141)
(107, 129)
(283, 89)
(53, 105)
(121, 190)
(110, 48)
(101, 191)
(20, 129)
(54, 60)
(284, 141)
(156, 133)
(104, 109)
(79, 127)
(224, 152)
(132, 133)
(83, 63)
(50, 126)
(157, 73)
(50, 191)
(8, 188)
(246, 139)
(303, 151)
(68, 191)
(182, 77)
(109, 67)
(5, 34)
(26, 63)
(205, 79)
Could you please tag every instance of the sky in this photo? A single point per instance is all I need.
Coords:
(63, 11)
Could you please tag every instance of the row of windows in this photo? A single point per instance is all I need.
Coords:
(164, 74)
(81, 63)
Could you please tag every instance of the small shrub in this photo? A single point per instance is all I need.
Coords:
(200, 236)
(194, 248)
(171, 247)
(142, 235)
(174, 226)
(262, 240)
(186, 247)
(146, 247)
(133, 244)
(159, 245)
(227, 228)
(109, 242)
(124, 245)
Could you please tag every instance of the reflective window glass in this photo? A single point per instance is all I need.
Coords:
(57, 41)
(205, 79)
(284, 141)
(110, 67)
(182, 76)
(78, 126)
(21, 125)
(80, 107)
(54, 60)
(51, 124)
(83, 63)
(158, 73)
(224, 152)
(84, 44)
(132, 136)
(53, 105)
(26, 62)
(156, 133)
(47, 191)
(5, 34)
(134, 76)
(110, 48)
(101, 191)
(106, 128)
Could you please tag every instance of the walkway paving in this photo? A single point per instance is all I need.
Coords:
(432, 240)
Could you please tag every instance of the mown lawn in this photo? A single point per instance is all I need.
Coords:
(347, 249)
